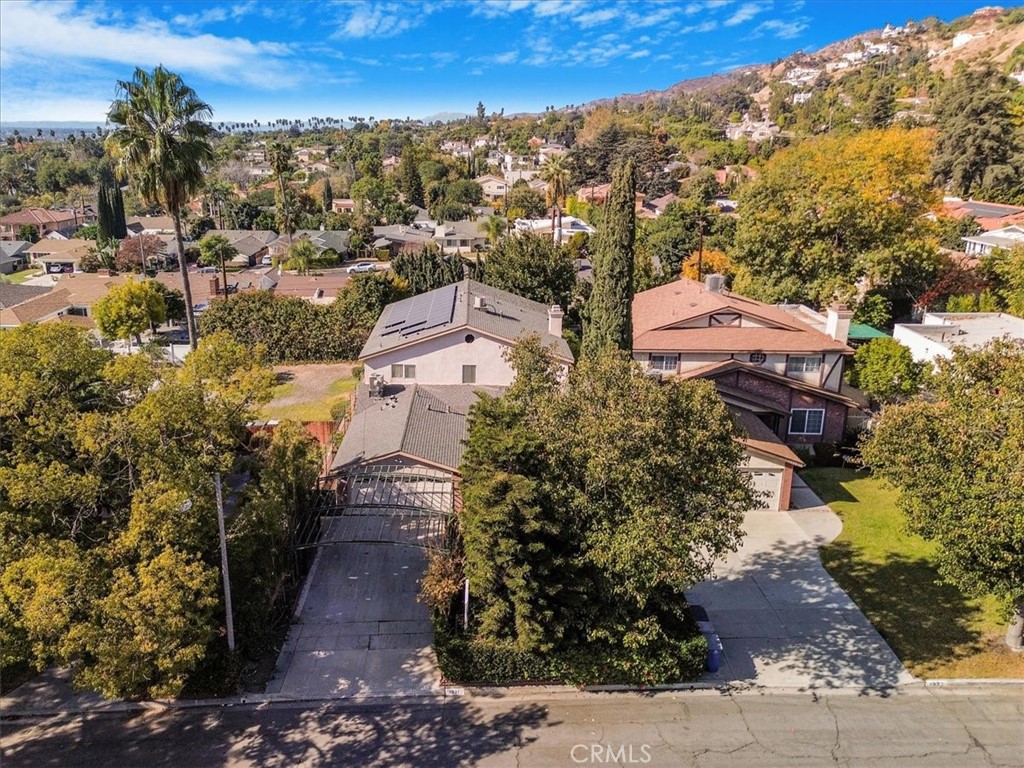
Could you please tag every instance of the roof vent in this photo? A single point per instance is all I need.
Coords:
(479, 302)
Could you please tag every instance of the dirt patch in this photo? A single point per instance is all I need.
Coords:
(309, 392)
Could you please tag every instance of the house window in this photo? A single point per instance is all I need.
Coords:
(758, 357)
(803, 364)
(403, 371)
(724, 318)
(806, 421)
(469, 374)
(665, 363)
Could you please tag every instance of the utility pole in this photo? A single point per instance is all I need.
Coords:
(224, 563)
(700, 249)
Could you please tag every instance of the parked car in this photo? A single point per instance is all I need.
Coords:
(362, 266)
(267, 260)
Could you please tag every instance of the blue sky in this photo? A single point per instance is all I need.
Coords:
(266, 59)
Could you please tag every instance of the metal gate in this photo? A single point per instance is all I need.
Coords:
(394, 504)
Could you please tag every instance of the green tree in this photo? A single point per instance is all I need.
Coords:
(881, 105)
(105, 215)
(215, 250)
(956, 457)
(557, 175)
(116, 200)
(408, 178)
(279, 156)
(524, 202)
(129, 309)
(301, 254)
(328, 197)
(976, 136)
(532, 266)
(611, 303)
(885, 370)
(1005, 270)
(494, 227)
(585, 506)
(161, 142)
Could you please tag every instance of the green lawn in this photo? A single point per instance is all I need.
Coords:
(318, 409)
(23, 275)
(935, 630)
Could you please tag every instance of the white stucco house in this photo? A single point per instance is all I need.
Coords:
(424, 364)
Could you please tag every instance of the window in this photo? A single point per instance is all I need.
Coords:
(803, 364)
(665, 363)
(758, 357)
(469, 374)
(403, 371)
(724, 318)
(806, 421)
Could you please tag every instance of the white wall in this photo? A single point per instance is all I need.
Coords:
(439, 360)
(922, 348)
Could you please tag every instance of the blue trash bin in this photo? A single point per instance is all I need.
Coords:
(714, 653)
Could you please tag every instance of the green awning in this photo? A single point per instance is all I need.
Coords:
(862, 332)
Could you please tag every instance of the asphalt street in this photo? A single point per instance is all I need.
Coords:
(920, 727)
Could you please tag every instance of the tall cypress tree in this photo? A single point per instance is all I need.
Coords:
(105, 220)
(120, 225)
(611, 302)
(328, 196)
(409, 181)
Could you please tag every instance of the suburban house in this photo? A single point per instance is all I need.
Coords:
(399, 238)
(560, 229)
(456, 335)
(322, 239)
(47, 306)
(754, 130)
(425, 362)
(939, 332)
(1005, 238)
(651, 209)
(43, 220)
(150, 225)
(763, 361)
(343, 205)
(990, 216)
(13, 255)
(460, 236)
(56, 256)
(252, 245)
(495, 188)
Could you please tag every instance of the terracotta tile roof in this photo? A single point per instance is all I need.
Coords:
(306, 286)
(657, 312)
(760, 438)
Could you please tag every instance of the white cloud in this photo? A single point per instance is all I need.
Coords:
(26, 104)
(745, 12)
(594, 18)
(380, 19)
(706, 26)
(38, 35)
(784, 30)
(492, 9)
(651, 18)
(545, 8)
(213, 15)
(641, 54)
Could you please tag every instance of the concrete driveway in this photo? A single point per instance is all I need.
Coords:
(782, 619)
(360, 630)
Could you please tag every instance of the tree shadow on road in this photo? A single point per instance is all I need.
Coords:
(388, 734)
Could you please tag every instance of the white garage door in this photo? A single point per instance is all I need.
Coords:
(769, 483)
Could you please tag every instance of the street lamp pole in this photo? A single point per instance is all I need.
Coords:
(224, 563)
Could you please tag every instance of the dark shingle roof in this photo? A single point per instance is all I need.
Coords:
(13, 295)
(504, 315)
(423, 422)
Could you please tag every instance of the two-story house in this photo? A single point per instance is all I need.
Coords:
(423, 365)
(781, 377)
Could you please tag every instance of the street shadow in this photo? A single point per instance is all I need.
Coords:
(393, 733)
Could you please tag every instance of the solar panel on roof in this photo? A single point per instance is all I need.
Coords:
(420, 313)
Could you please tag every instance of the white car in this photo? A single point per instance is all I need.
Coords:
(267, 260)
(362, 266)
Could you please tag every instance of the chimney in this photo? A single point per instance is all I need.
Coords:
(714, 283)
(555, 315)
(214, 286)
(479, 302)
(837, 322)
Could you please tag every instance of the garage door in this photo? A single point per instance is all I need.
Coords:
(769, 483)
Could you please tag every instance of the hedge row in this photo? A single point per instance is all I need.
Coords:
(470, 661)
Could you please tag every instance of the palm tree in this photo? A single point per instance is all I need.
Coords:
(556, 173)
(279, 156)
(494, 228)
(301, 255)
(161, 142)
